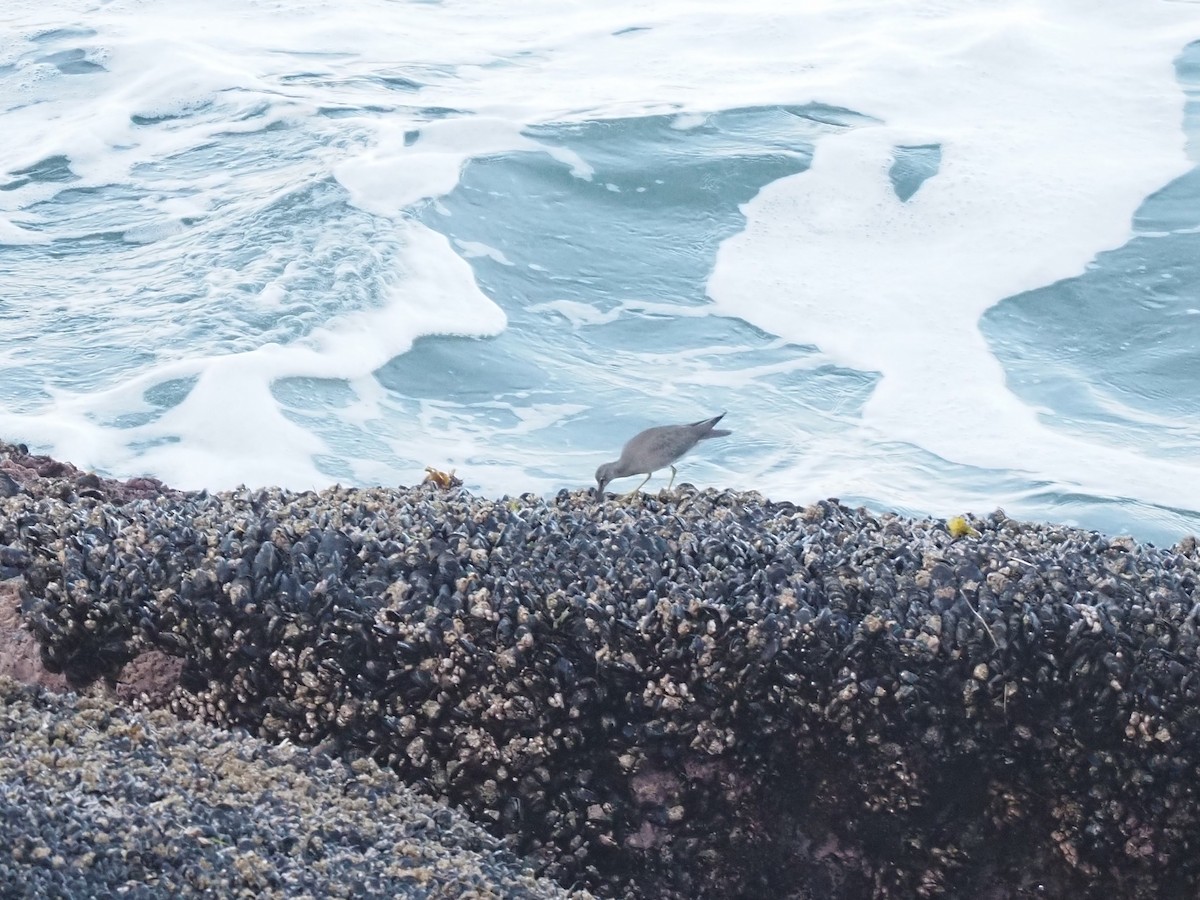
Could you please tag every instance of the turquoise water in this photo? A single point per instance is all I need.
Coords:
(261, 243)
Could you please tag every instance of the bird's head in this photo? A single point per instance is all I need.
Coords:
(604, 475)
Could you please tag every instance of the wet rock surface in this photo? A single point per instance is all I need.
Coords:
(696, 695)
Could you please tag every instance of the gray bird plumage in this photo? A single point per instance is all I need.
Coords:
(649, 451)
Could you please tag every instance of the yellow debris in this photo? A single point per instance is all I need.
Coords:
(958, 527)
(443, 480)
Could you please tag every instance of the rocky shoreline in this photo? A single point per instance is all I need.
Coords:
(97, 799)
(701, 694)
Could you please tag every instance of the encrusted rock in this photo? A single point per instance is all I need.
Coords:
(701, 694)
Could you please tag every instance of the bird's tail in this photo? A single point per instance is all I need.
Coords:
(709, 430)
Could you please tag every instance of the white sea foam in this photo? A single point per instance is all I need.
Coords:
(1055, 119)
(1039, 113)
(230, 428)
(15, 235)
(475, 249)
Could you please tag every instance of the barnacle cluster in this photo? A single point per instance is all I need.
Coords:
(703, 694)
(101, 800)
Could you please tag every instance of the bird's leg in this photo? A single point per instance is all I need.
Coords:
(639, 487)
(672, 481)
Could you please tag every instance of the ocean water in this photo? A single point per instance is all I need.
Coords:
(935, 256)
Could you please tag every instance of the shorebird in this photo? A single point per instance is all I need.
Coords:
(649, 451)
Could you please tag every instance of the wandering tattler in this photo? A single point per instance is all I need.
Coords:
(656, 447)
